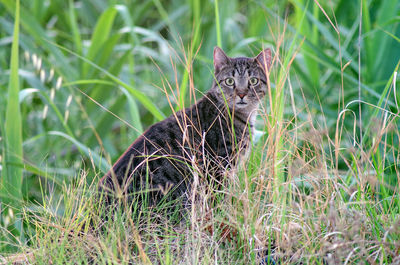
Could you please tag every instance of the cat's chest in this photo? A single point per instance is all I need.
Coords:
(245, 126)
(234, 138)
(246, 132)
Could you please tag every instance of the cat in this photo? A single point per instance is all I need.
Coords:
(207, 138)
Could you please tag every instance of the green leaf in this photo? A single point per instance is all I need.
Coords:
(139, 95)
(36, 31)
(11, 182)
(74, 27)
(100, 35)
(98, 161)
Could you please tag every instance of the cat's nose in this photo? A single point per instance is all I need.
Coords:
(241, 96)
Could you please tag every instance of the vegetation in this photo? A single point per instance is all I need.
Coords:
(80, 80)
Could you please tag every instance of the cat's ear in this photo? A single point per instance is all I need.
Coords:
(220, 58)
(264, 59)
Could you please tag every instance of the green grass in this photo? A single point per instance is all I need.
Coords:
(83, 79)
(11, 175)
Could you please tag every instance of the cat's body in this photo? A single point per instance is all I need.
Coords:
(206, 138)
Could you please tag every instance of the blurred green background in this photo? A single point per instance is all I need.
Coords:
(79, 58)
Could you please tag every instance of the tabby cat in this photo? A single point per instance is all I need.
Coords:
(206, 139)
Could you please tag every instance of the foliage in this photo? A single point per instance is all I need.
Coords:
(92, 75)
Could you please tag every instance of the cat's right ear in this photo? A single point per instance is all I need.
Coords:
(264, 59)
(220, 59)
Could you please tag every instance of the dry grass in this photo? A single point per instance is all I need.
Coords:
(321, 214)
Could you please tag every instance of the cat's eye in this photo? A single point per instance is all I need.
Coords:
(229, 81)
(253, 81)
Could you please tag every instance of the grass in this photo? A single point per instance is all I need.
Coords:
(11, 180)
(83, 79)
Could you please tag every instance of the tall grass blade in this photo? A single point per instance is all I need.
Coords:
(74, 27)
(134, 113)
(217, 24)
(183, 88)
(11, 182)
(100, 36)
(309, 31)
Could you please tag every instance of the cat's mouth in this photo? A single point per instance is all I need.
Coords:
(241, 102)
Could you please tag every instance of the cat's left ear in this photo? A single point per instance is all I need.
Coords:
(264, 59)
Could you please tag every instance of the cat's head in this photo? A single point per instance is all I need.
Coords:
(242, 80)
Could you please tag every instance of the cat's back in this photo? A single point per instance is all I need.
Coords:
(160, 150)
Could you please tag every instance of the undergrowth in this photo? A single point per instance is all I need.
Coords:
(321, 215)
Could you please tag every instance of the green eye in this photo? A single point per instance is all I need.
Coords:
(229, 81)
(253, 81)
